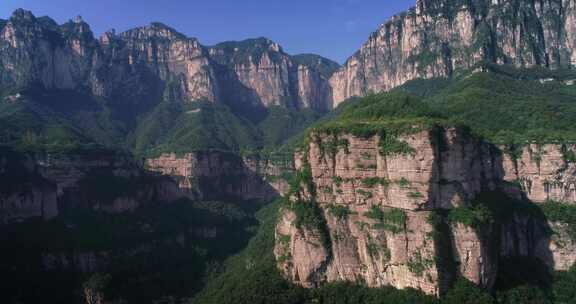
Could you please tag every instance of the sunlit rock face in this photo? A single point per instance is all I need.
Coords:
(155, 61)
(401, 244)
(438, 37)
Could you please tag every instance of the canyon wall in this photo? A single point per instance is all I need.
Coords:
(45, 184)
(437, 38)
(380, 214)
(212, 175)
(145, 64)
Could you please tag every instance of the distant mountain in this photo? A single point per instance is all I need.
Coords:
(120, 87)
(439, 37)
(156, 58)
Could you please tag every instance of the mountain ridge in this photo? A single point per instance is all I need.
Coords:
(437, 38)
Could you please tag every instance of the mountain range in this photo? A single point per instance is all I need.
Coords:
(439, 159)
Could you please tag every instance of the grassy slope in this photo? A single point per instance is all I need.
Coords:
(504, 105)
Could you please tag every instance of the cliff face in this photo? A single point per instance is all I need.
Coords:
(380, 214)
(217, 175)
(43, 185)
(437, 38)
(271, 77)
(155, 61)
(543, 172)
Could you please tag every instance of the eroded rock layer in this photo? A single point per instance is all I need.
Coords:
(215, 175)
(43, 185)
(367, 212)
(438, 37)
(147, 63)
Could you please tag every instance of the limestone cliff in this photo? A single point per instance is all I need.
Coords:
(45, 184)
(374, 209)
(215, 175)
(145, 64)
(437, 38)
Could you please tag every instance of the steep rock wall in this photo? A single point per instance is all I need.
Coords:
(212, 175)
(145, 64)
(44, 184)
(376, 211)
(438, 37)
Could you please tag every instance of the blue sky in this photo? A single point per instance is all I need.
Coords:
(331, 28)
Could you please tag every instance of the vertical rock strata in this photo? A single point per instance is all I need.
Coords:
(146, 62)
(438, 37)
(218, 175)
(43, 185)
(378, 210)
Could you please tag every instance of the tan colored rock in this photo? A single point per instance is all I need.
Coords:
(436, 38)
(214, 175)
(474, 253)
(543, 173)
(446, 168)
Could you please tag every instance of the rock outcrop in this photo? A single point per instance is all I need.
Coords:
(438, 37)
(544, 172)
(213, 175)
(145, 64)
(43, 185)
(380, 214)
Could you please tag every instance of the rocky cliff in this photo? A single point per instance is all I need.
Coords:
(45, 184)
(215, 175)
(271, 77)
(409, 210)
(437, 38)
(155, 62)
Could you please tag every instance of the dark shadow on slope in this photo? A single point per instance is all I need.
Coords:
(518, 229)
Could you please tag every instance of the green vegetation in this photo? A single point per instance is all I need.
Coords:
(303, 178)
(333, 145)
(372, 182)
(418, 264)
(392, 219)
(563, 290)
(390, 145)
(182, 128)
(415, 195)
(404, 183)
(251, 277)
(563, 213)
(157, 250)
(568, 155)
(504, 105)
(466, 292)
(308, 214)
(523, 294)
(104, 187)
(339, 211)
(475, 217)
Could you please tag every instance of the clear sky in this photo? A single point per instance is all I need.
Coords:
(331, 28)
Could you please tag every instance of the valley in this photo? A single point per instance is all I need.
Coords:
(437, 165)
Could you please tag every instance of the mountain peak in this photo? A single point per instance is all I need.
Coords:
(260, 43)
(325, 66)
(22, 14)
(155, 29)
